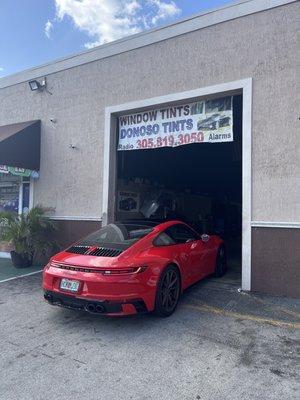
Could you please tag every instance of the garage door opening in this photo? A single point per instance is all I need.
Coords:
(200, 183)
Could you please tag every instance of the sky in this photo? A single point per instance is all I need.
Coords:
(34, 32)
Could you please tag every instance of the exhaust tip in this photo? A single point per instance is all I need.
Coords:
(99, 308)
(90, 308)
(48, 297)
(95, 308)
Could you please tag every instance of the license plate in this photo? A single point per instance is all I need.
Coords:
(71, 286)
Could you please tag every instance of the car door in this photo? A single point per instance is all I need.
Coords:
(191, 249)
(206, 249)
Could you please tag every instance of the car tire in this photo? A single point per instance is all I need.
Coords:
(221, 262)
(168, 292)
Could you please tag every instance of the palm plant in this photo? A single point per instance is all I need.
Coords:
(30, 234)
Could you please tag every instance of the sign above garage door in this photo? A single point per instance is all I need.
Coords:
(207, 121)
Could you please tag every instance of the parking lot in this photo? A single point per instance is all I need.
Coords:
(219, 344)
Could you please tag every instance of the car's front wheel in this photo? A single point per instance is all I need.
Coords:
(168, 292)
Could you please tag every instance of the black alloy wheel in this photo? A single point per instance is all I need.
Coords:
(168, 292)
(221, 262)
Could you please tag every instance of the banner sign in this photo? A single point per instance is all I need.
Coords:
(4, 169)
(207, 121)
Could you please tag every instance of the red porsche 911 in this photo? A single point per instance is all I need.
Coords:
(132, 267)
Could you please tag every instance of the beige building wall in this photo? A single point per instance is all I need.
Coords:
(263, 46)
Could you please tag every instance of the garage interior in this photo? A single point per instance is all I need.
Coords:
(199, 183)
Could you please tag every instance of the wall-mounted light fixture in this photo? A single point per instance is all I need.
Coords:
(36, 85)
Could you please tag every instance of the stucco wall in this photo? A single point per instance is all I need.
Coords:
(262, 46)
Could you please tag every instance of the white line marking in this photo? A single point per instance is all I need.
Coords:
(21, 276)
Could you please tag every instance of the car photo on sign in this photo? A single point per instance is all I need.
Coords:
(214, 122)
(128, 268)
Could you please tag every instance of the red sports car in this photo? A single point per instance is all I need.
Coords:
(132, 267)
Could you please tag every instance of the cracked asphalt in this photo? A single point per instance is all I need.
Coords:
(220, 344)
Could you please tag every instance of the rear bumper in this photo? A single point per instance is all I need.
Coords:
(104, 307)
(117, 294)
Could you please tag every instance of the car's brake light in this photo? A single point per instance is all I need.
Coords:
(112, 271)
(125, 271)
(48, 265)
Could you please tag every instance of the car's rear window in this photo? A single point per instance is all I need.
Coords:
(116, 235)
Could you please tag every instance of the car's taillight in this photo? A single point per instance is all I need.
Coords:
(124, 271)
(47, 266)
(99, 270)
(53, 264)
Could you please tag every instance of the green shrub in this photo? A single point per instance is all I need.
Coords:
(31, 234)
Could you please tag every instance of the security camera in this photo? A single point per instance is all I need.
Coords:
(53, 120)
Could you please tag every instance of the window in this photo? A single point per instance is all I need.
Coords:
(9, 192)
(176, 234)
(163, 239)
(14, 193)
(118, 234)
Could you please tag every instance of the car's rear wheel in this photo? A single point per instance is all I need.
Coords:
(221, 262)
(168, 292)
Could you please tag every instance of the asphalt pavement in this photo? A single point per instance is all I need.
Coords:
(219, 344)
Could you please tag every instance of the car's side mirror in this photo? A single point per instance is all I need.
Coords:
(205, 237)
